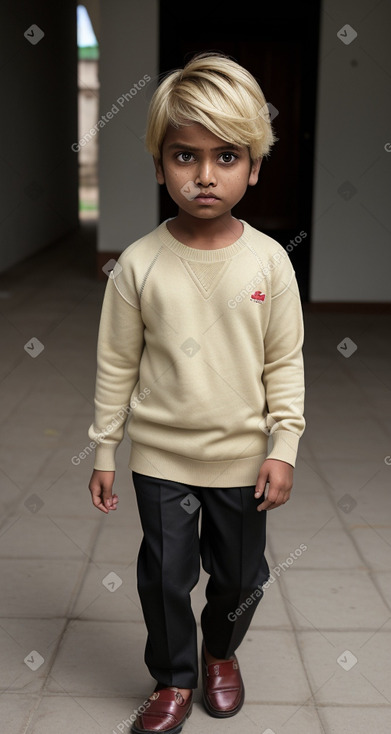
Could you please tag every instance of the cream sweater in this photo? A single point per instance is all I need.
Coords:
(203, 350)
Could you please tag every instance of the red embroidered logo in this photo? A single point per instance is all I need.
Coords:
(258, 296)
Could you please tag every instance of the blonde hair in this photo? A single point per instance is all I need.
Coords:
(218, 93)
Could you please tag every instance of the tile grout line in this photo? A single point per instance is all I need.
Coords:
(370, 572)
(68, 619)
(298, 648)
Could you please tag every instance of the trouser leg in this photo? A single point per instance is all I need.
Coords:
(233, 538)
(168, 568)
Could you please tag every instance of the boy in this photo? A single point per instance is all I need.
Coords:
(201, 333)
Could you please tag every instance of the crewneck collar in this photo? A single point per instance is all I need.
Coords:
(206, 256)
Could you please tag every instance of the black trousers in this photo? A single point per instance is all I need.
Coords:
(231, 545)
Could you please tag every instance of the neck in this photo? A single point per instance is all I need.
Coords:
(225, 229)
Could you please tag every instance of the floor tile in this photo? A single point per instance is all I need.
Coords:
(329, 548)
(27, 650)
(348, 668)
(109, 593)
(267, 657)
(101, 659)
(31, 534)
(336, 599)
(384, 582)
(374, 542)
(352, 720)
(38, 588)
(16, 711)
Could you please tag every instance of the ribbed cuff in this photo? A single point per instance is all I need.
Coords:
(105, 457)
(285, 446)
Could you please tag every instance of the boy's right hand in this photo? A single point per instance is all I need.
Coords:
(101, 488)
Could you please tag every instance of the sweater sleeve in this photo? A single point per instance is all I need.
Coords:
(119, 349)
(283, 375)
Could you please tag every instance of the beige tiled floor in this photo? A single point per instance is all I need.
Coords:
(317, 656)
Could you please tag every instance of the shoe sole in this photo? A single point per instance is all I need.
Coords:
(174, 730)
(222, 714)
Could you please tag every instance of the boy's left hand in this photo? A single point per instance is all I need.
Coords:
(279, 474)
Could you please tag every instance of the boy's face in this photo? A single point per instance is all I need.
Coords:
(204, 175)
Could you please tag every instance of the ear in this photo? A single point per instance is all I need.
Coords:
(254, 171)
(159, 170)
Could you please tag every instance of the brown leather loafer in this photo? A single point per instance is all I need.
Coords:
(167, 712)
(223, 689)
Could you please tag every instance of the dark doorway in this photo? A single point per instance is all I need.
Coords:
(278, 44)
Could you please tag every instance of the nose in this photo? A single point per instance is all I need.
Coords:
(206, 174)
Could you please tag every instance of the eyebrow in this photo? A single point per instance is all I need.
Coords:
(186, 146)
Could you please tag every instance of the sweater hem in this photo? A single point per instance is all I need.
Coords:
(177, 468)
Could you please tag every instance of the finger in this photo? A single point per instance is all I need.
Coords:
(111, 502)
(97, 499)
(272, 500)
(263, 506)
(260, 487)
(99, 504)
(268, 499)
(267, 506)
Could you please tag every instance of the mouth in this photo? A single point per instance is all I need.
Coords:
(206, 198)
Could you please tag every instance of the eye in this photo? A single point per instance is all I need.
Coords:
(184, 157)
(228, 157)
